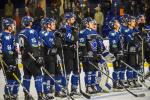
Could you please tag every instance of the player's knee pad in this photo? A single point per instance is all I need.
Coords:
(26, 78)
(38, 83)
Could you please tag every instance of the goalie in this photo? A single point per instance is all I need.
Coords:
(92, 49)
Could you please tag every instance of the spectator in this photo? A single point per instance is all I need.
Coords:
(106, 6)
(28, 12)
(99, 17)
(17, 18)
(39, 12)
(147, 14)
(88, 13)
(9, 9)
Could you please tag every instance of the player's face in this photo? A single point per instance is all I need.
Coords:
(31, 23)
(91, 25)
(142, 19)
(53, 26)
(95, 26)
(12, 27)
(72, 20)
(133, 23)
(116, 24)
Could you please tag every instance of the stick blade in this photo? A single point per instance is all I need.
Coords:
(141, 95)
(85, 94)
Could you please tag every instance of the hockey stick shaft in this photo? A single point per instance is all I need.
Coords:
(64, 67)
(15, 76)
(135, 95)
(79, 70)
(83, 93)
(5, 78)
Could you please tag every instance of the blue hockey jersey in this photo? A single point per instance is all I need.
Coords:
(8, 42)
(48, 39)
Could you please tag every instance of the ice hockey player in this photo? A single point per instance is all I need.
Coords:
(145, 33)
(123, 20)
(90, 48)
(52, 44)
(115, 48)
(133, 46)
(90, 71)
(29, 43)
(69, 48)
(101, 83)
(9, 53)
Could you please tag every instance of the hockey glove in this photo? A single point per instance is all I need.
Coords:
(57, 42)
(11, 68)
(40, 61)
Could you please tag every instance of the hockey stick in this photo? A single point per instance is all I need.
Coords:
(135, 95)
(43, 68)
(15, 76)
(5, 78)
(79, 70)
(64, 67)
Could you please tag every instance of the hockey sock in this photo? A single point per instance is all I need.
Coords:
(9, 87)
(93, 78)
(26, 82)
(129, 74)
(63, 80)
(74, 80)
(46, 84)
(38, 83)
(115, 75)
(58, 84)
(121, 75)
(15, 87)
(135, 75)
(88, 78)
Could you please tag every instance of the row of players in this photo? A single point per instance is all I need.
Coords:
(47, 47)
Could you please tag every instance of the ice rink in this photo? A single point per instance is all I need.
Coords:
(124, 95)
